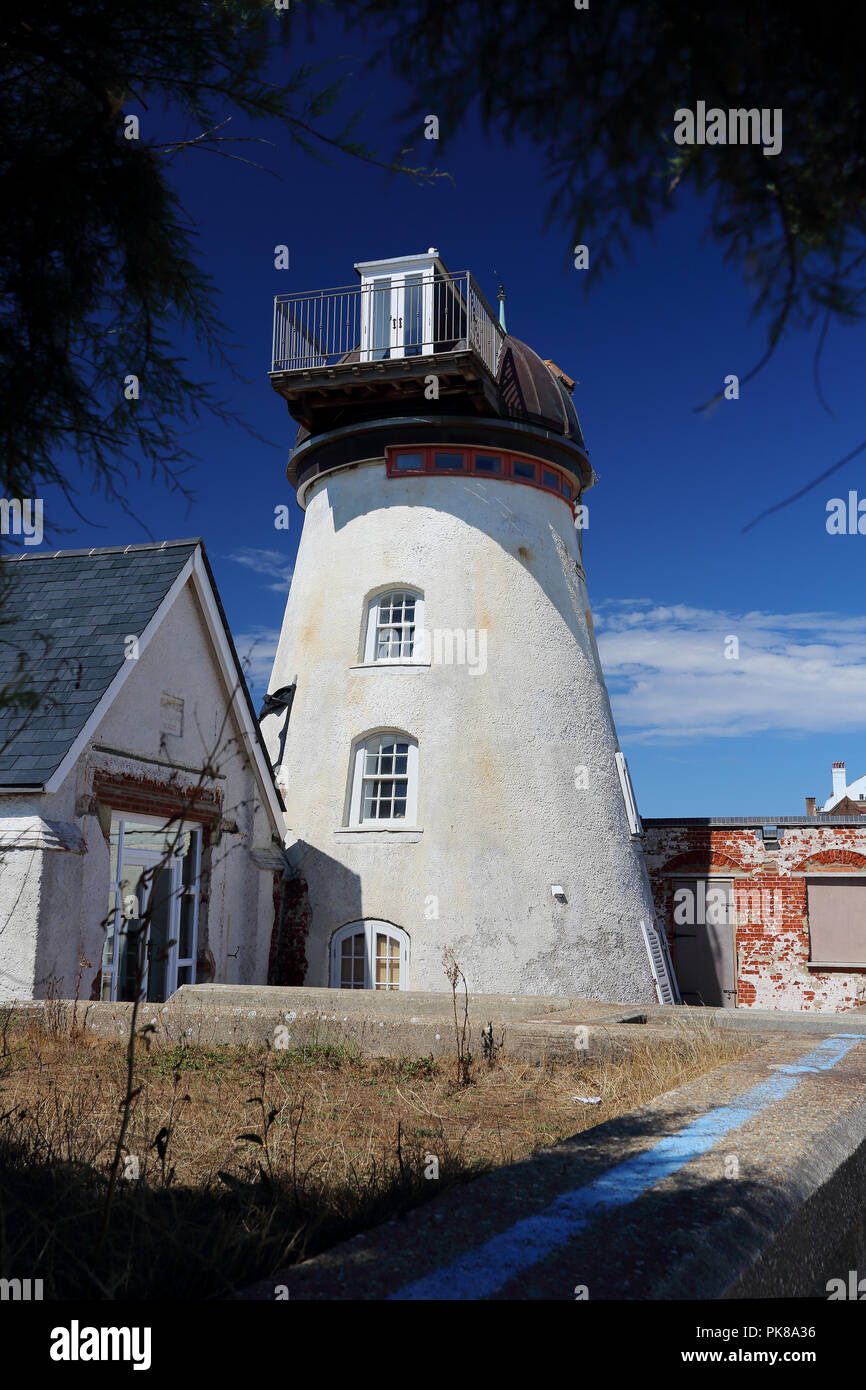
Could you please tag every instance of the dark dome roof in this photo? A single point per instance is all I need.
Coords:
(530, 391)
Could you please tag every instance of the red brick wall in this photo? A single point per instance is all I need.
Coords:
(771, 934)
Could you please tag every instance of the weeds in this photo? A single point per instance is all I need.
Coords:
(462, 1032)
(237, 1162)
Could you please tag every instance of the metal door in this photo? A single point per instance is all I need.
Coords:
(704, 941)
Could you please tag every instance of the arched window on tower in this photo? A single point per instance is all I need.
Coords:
(384, 787)
(370, 955)
(395, 621)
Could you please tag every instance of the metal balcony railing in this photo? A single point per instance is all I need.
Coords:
(411, 316)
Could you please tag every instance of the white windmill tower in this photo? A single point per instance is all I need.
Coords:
(448, 758)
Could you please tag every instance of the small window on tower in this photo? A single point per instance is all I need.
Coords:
(520, 468)
(488, 463)
(384, 790)
(448, 463)
(550, 479)
(567, 490)
(394, 623)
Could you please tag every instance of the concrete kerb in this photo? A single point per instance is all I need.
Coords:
(194, 1025)
(530, 1029)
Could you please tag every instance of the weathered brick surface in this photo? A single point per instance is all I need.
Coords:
(771, 933)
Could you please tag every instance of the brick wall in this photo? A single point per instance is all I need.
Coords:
(771, 928)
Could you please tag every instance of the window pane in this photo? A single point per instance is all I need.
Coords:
(161, 839)
(488, 463)
(114, 840)
(413, 315)
(550, 479)
(452, 462)
(352, 961)
(184, 975)
(409, 463)
(387, 962)
(130, 946)
(523, 470)
(159, 943)
(567, 490)
(380, 318)
(185, 935)
(108, 946)
(190, 857)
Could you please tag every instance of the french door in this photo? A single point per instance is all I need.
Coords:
(370, 955)
(397, 316)
(152, 926)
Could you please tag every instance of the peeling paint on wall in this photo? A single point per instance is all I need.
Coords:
(771, 928)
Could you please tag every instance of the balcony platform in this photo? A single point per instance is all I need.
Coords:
(310, 391)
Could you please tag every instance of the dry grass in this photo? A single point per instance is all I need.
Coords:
(333, 1143)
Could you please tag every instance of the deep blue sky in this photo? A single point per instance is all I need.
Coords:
(670, 573)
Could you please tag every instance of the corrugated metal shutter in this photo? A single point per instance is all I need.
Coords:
(661, 965)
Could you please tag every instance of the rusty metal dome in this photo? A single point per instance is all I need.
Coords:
(530, 389)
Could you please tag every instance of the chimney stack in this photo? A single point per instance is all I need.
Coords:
(810, 805)
(838, 780)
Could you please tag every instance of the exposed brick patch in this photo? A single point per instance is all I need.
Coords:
(771, 935)
(155, 797)
(708, 859)
(833, 858)
(287, 964)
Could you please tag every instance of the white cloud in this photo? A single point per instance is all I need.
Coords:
(256, 651)
(669, 678)
(272, 564)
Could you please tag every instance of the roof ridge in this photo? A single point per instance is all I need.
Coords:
(100, 550)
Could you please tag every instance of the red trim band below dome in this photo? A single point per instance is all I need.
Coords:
(450, 460)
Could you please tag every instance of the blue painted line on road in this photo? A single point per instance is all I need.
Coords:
(484, 1270)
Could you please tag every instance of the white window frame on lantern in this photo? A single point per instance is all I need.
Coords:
(376, 625)
(373, 746)
(364, 934)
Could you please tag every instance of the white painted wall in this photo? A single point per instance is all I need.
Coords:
(500, 817)
(67, 894)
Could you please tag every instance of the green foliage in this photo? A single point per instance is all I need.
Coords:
(596, 90)
(98, 272)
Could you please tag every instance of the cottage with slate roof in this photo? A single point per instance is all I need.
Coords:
(140, 828)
